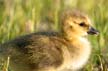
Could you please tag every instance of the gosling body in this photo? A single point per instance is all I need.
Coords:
(67, 50)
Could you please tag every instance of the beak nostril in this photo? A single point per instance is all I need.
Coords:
(93, 31)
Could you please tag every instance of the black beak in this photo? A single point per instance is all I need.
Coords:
(93, 31)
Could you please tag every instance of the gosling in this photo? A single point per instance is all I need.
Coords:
(67, 50)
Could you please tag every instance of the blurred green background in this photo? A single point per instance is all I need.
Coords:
(20, 17)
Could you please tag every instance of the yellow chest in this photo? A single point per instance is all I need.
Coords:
(75, 57)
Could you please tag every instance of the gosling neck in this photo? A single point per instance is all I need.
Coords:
(72, 36)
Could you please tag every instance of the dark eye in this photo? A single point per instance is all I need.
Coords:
(82, 24)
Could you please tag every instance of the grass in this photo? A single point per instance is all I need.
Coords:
(19, 17)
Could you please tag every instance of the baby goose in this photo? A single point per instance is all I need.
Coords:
(66, 50)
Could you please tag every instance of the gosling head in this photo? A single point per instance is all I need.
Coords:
(75, 23)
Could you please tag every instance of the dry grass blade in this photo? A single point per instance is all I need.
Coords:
(6, 65)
